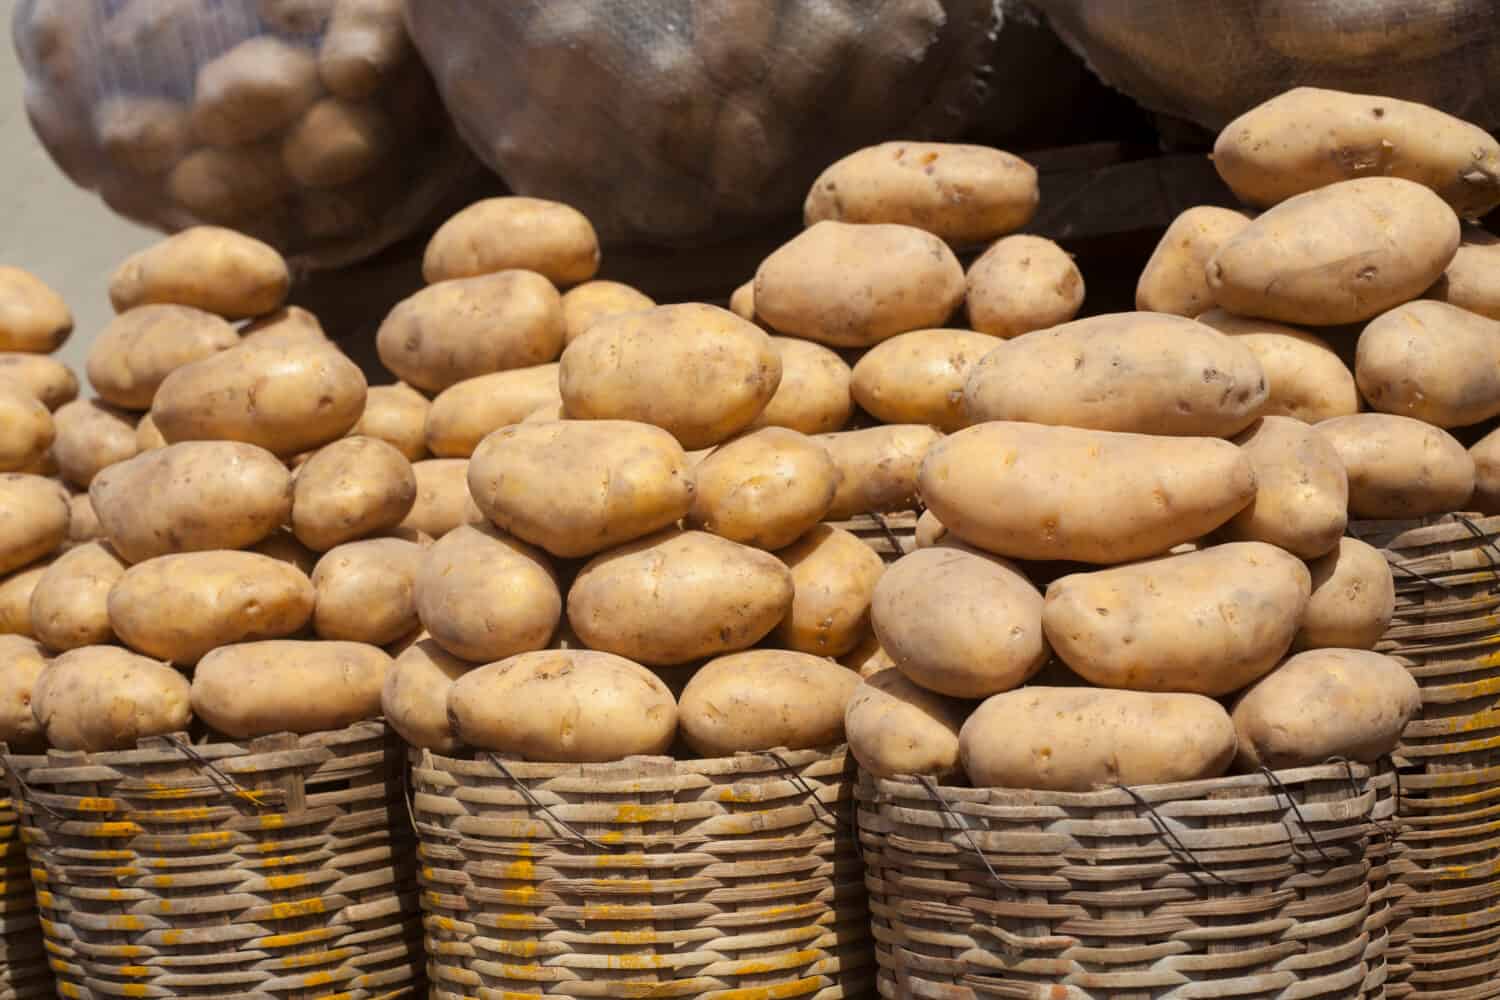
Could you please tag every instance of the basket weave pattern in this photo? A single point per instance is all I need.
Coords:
(23, 960)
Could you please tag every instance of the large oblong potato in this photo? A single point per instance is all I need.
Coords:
(367, 590)
(918, 377)
(483, 595)
(138, 349)
(878, 468)
(34, 515)
(1306, 377)
(834, 575)
(814, 394)
(22, 661)
(592, 301)
(289, 686)
(414, 699)
(397, 415)
(576, 488)
(1142, 373)
(463, 414)
(674, 597)
(1437, 363)
(1340, 254)
(70, 604)
(1353, 599)
(33, 318)
(1472, 280)
(213, 269)
(91, 436)
(352, 488)
(765, 699)
(1174, 279)
(1399, 467)
(854, 286)
(766, 488)
(106, 698)
(697, 371)
(48, 379)
(896, 727)
(1021, 284)
(499, 234)
(1301, 489)
(1044, 493)
(443, 502)
(27, 429)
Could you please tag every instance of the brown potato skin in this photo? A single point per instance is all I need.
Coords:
(1353, 599)
(138, 349)
(499, 234)
(289, 686)
(443, 502)
(69, 607)
(367, 591)
(484, 596)
(592, 301)
(918, 377)
(22, 661)
(765, 699)
(207, 267)
(1431, 361)
(1301, 489)
(1399, 467)
(106, 698)
(48, 379)
(1472, 280)
(1306, 377)
(27, 430)
(833, 578)
(33, 318)
(896, 727)
(414, 699)
(91, 436)
(814, 393)
(1174, 279)
(1021, 284)
(462, 415)
(766, 488)
(350, 489)
(34, 515)
(878, 468)
(397, 415)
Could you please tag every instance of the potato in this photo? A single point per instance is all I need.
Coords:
(742, 302)
(232, 186)
(101, 698)
(1305, 376)
(256, 88)
(192, 497)
(27, 430)
(462, 415)
(484, 596)
(69, 606)
(1020, 284)
(147, 437)
(83, 523)
(1340, 254)
(579, 487)
(878, 468)
(766, 488)
(397, 415)
(868, 658)
(1399, 467)
(930, 530)
(592, 301)
(854, 286)
(1486, 457)
(695, 370)
(295, 17)
(33, 318)
(918, 377)
(289, 686)
(964, 194)
(91, 436)
(287, 397)
(462, 329)
(814, 394)
(49, 380)
(834, 575)
(213, 269)
(1301, 490)
(1143, 373)
(288, 322)
(1353, 599)
(1431, 361)
(366, 591)
(500, 234)
(1033, 492)
(337, 142)
(34, 517)
(443, 501)
(677, 596)
(22, 661)
(15, 599)
(414, 699)
(141, 347)
(352, 488)
(1077, 739)
(1346, 704)
(895, 727)
(1174, 279)
(765, 699)
(1309, 138)
(1470, 281)
(365, 44)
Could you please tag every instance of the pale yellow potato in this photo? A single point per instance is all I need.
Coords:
(1020, 284)
(1399, 467)
(83, 522)
(930, 530)
(256, 88)
(367, 591)
(868, 658)
(106, 698)
(576, 488)
(854, 286)
(15, 599)
(415, 697)
(213, 269)
(499, 234)
(964, 194)
(34, 514)
(765, 699)
(1077, 739)
(1142, 373)
(1034, 492)
(1472, 280)
(674, 597)
(141, 347)
(192, 497)
(742, 301)
(1486, 456)
(483, 595)
(289, 686)
(443, 502)
(464, 414)
(352, 488)
(283, 546)
(1174, 279)
(1353, 599)
(1308, 138)
(1340, 254)
(22, 661)
(1307, 379)
(33, 318)
(592, 301)
(896, 727)
(91, 436)
(49, 380)
(1301, 489)
(697, 371)
(27, 430)
(286, 322)
(878, 467)
(834, 575)
(766, 488)
(147, 437)
(69, 605)
(918, 377)
(397, 415)
(814, 394)
(1431, 361)
(1346, 704)
(337, 142)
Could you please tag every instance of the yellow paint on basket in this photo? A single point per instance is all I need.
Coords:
(290, 940)
(300, 908)
(134, 970)
(214, 838)
(170, 938)
(134, 990)
(286, 881)
(116, 829)
(95, 805)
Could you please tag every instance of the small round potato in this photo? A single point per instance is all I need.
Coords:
(483, 595)
(765, 699)
(592, 301)
(141, 347)
(289, 686)
(397, 415)
(766, 488)
(101, 698)
(1472, 280)
(443, 501)
(462, 415)
(337, 142)
(1399, 467)
(918, 377)
(283, 546)
(83, 522)
(1301, 490)
(147, 437)
(256, 88)
(367, 591)
(91, 436)
(48, 379)
(1431, 361)
(1175, 279)
(15, 599)
(500, 234)
(878, 468)
(930, 530)
(868, 658)
(286, 323)
(213, 269)
(33, 318)
(415, 697)
(1353, 599)
(22, 661)
(895, 727)
(70, 605)
(1486, 456)
(27, 430)
(834, 576)
(34, 515)
(1307, 379)
(364, 47)
(352, 488)
(814, 394)
(1023, 283)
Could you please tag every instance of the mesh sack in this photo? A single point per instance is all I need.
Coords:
(310, 124)
(673, 121)
(1208, 61)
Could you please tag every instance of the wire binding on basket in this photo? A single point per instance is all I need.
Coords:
(552, 817)
(240, 791)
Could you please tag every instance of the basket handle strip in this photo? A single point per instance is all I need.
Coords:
(801, 782)
(537, 803)
(198, 759)
(1281, 790)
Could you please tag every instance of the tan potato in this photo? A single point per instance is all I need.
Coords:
(141, 347)
(895, 727)
(33, 318)
(34, 517)
(1142, 373)
(964, 194)
(191, 497)
(147, 437)
(592, 301)
(674, 597)
(868, 658)
(1486, 457)
(15, 599)
(256, 88)
(1306, 378)
(27, 430)
(697, 371)
(1034, 492)
(499, 234)
(443, 502)
(101, 698)
(216, 270)
(289, 686)
(463, 415)
(1072, 739)
(854, 286)
(1344, 704)
(69, 606)
(22, 661)
(1353, 599)
(833, 578)
(1301, 490)
(295, 17)
(1308, 138)
(1340, 254)
(367, 591)
(918, 377)
(283, 546)
(1431, 361)
(83, 522)
(1471, 279)
(742, 302)
(483, 595)
(49, 380)
(1399, 467)
(1174, 279)
(288, 322)
(352, 488)
(765, 699)
(414, 699)
(91, 436)
(397, 415)
(1020, 284)
(878, 467)
(364, 46)
(579, 487)
(814, 394)
(337, 142)
(231, 186)
(766, 488)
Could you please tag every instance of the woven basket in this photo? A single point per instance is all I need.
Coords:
(281, 868)
(1253, 886)
(734, 878)
(1384, 961)
(892, 535)
(23, 959)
